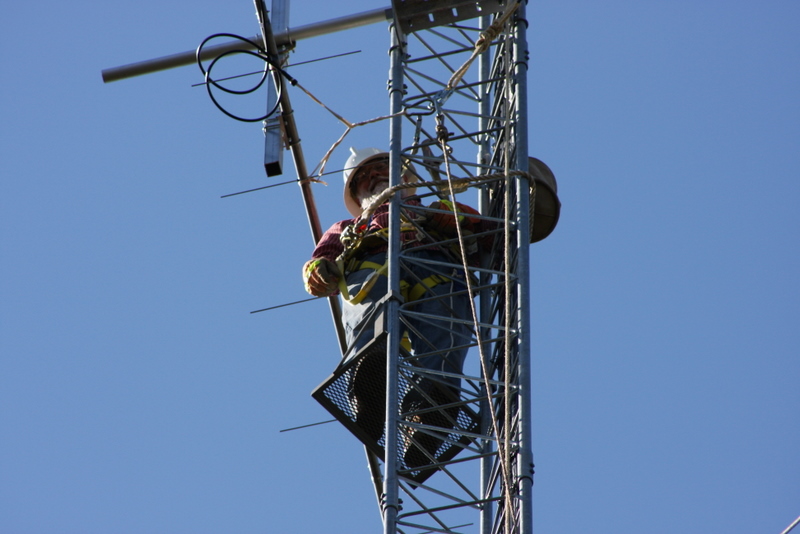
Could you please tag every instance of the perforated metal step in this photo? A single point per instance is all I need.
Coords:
(355, 394)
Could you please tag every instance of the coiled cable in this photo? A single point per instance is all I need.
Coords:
(261, 54)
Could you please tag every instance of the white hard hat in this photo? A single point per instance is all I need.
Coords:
(358, 158)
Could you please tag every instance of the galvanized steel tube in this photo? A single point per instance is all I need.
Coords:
(391, 486)
(525, 461)
(189, 57)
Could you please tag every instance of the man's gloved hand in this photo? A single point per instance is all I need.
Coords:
(446, 222)
(321, 277)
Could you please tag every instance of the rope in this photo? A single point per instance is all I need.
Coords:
(454, 182)
(482, 44)
(501, 450)
(320, 168)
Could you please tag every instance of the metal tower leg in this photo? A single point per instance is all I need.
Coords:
(525, 463)
(391, 503)
(473, 460)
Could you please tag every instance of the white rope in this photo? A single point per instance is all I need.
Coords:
(482, 43)
(502, 451)
(320, 168)
(456, 183)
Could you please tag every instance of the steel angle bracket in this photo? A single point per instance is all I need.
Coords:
(415, 15)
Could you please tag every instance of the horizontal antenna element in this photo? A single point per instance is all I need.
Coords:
(182, 59)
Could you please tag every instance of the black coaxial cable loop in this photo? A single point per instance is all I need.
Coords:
(260, 54)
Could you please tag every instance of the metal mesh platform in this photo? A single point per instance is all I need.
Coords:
(432, 418)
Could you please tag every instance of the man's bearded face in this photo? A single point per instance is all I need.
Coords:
(370, 181)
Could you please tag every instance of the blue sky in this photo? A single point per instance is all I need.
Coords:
(138, 394)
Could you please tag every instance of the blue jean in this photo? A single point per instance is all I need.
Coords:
(425, 334)
(439, 342)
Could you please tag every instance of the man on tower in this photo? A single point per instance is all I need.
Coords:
(351, 259)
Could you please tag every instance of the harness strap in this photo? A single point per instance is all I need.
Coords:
(369, 265)
(410, 293)
(366, 286)
(358, 239)
(419, 289)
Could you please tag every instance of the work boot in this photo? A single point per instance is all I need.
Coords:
(414, 456)
(368, 393)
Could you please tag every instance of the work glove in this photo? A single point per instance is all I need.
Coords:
(445, 223)
(321, 277)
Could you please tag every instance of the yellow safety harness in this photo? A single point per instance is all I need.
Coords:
(347, 262)
(410, 293)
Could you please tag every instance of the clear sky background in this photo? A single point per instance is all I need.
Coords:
(139, 395)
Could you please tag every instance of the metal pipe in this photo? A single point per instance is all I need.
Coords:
(273, 136)
(525, 462)
(375, 473)
(182, 59)
(790, 527)
(293, 141)
(484, 155)
(391, 494)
